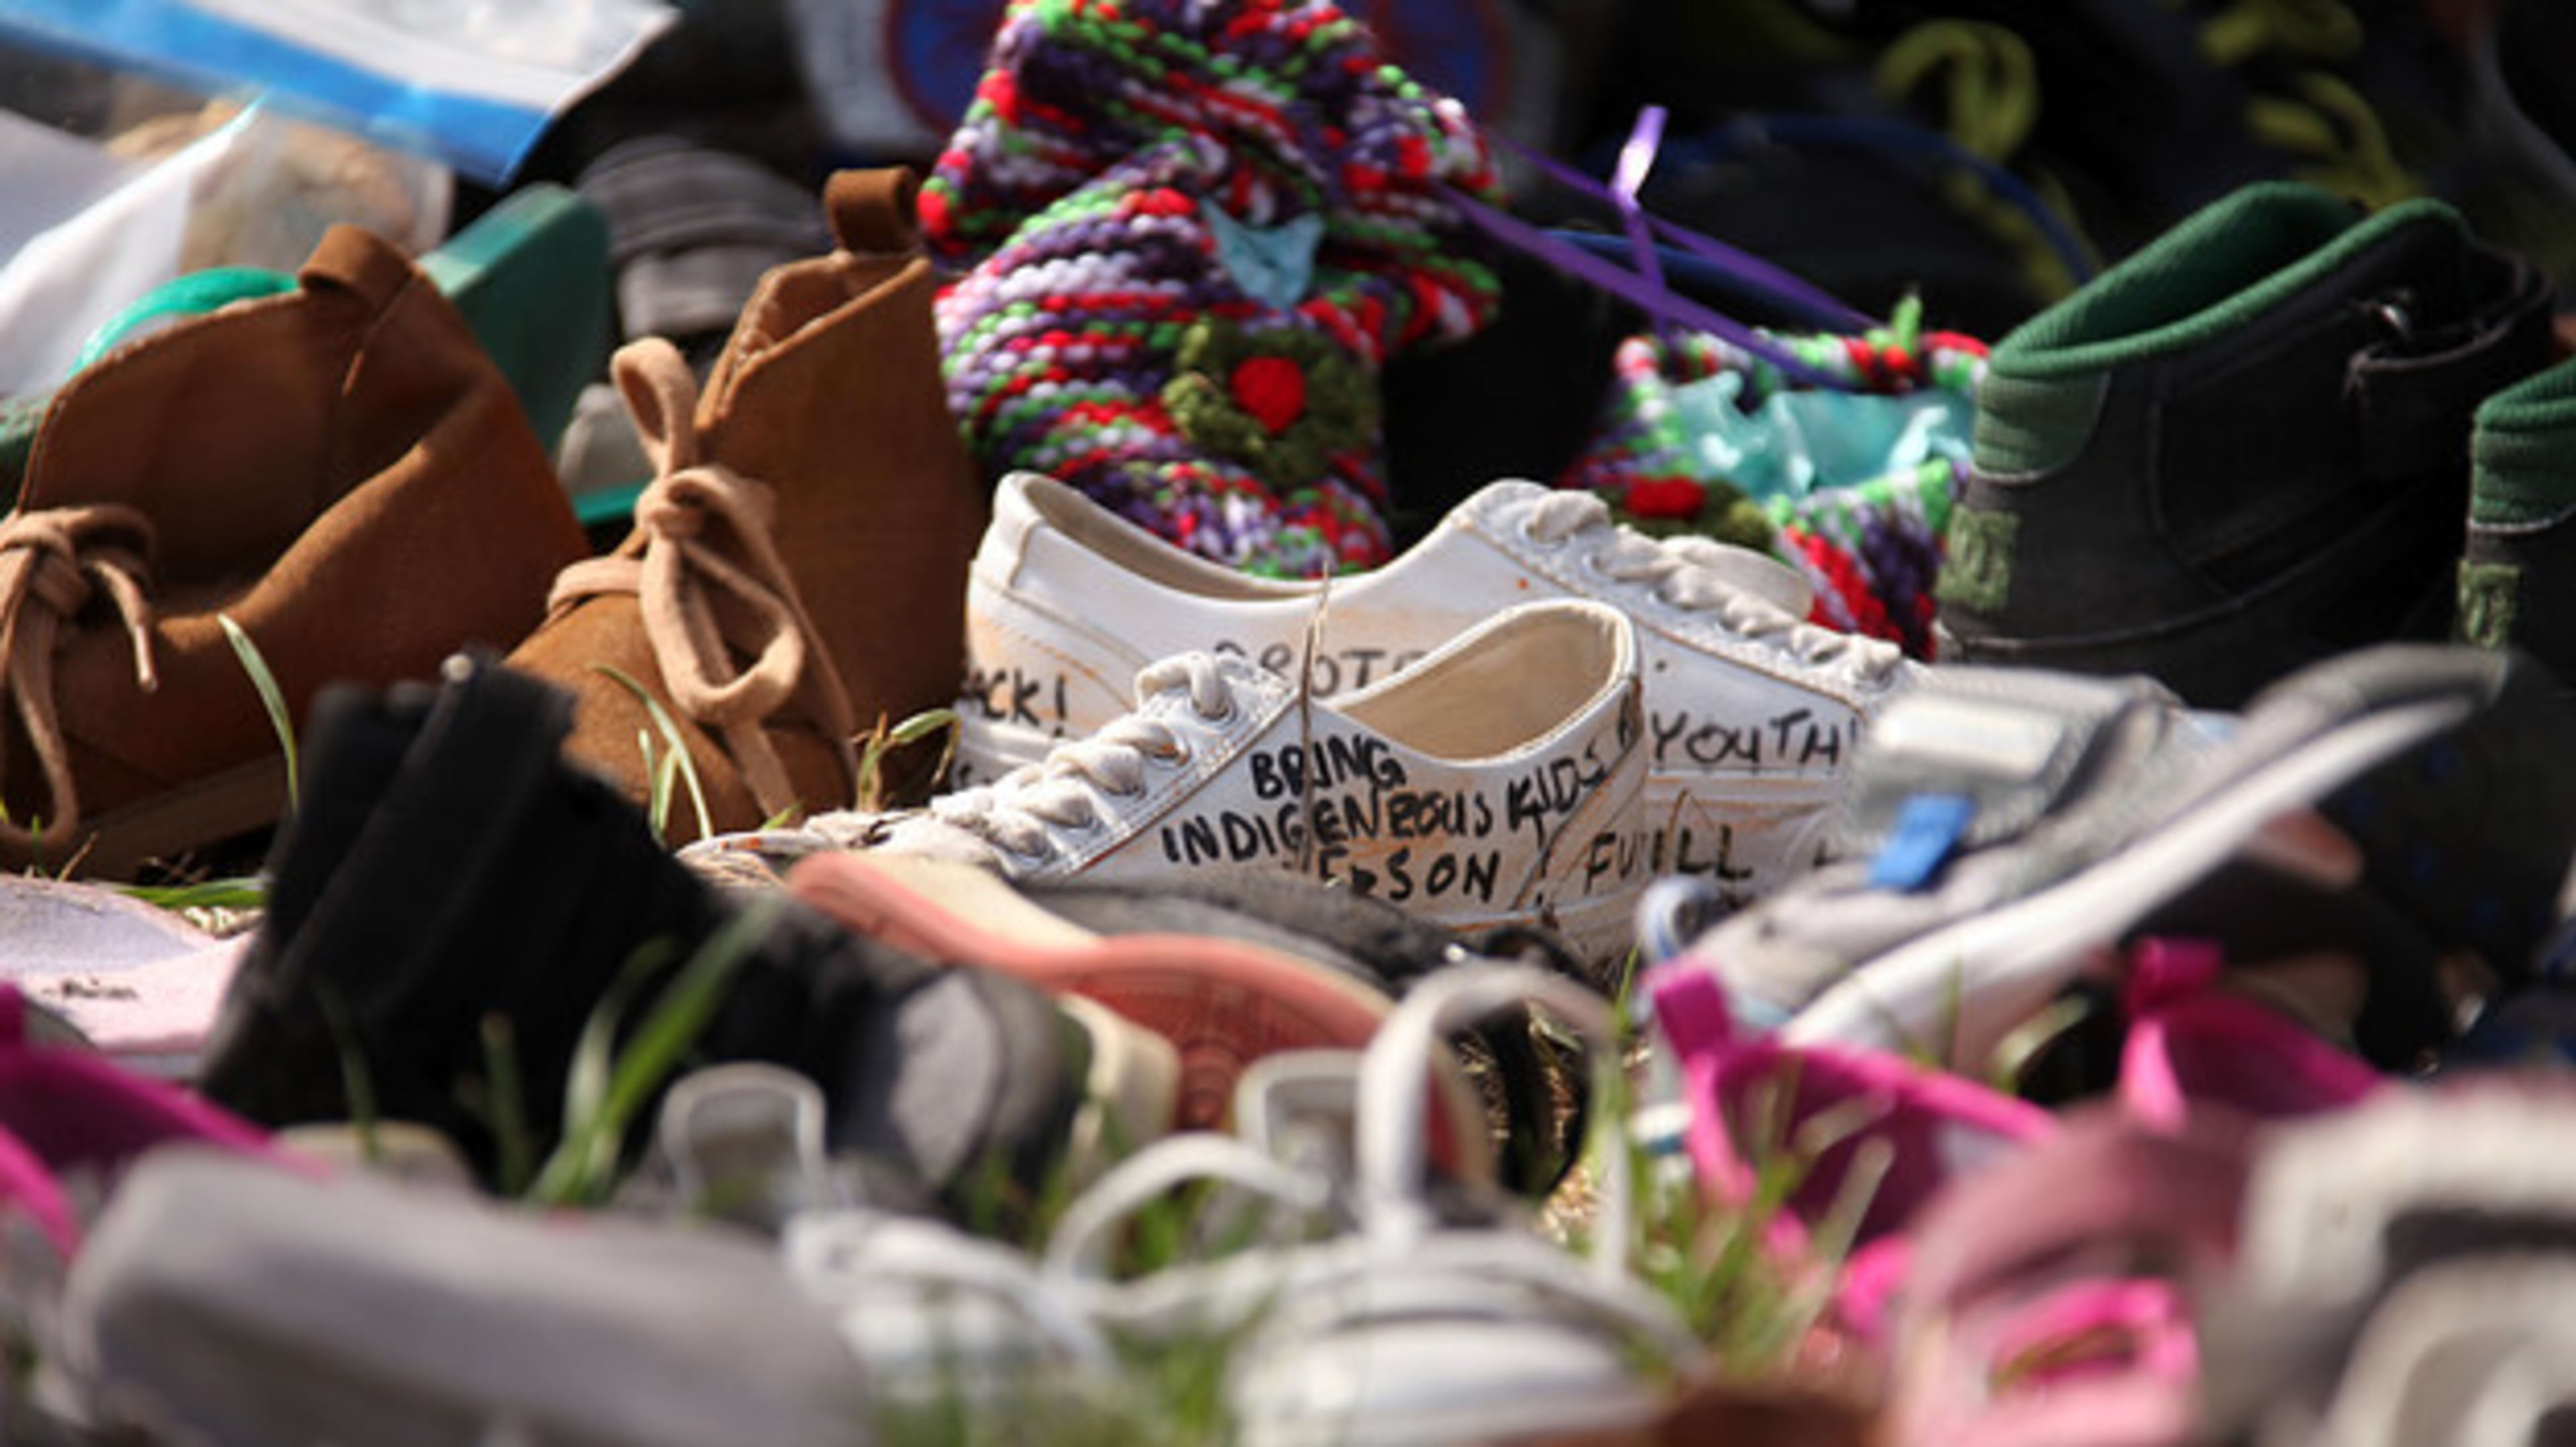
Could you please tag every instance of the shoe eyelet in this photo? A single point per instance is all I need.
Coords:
(1222, 716)
(1017, 857)
(1530, 536)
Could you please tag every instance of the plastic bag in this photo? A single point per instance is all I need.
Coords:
(472, 82)
(218, 188)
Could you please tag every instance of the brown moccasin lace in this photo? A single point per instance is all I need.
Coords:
(52, 563)
(705, 599)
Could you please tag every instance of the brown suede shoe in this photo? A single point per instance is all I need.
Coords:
(340, 469)
(798, 569)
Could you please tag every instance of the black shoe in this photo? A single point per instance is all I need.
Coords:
(448, 868)
(2518, 571)
(2242, 450)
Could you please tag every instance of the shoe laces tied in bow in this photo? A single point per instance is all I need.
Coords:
(53, 563)
(711, 585)
(1687, 573)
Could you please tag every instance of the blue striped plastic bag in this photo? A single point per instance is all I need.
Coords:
(471, 82)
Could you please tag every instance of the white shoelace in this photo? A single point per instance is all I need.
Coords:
(1329, 1285)
(1020, 811)
(1680, 572)
(853, 1260)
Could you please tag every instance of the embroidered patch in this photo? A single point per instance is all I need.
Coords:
(1978, 572)
(1273, 264)
(1281, 402)
(2487, 595)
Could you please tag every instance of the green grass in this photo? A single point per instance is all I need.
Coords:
(357, 1078)
(271, 698)
(609, 1085)
(673, 759)
(881, 741)
(241, 892)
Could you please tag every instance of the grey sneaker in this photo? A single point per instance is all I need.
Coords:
(2008, 826)
(234, 1303)
(2405, 1273)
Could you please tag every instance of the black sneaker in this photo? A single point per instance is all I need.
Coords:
(2242, 450)
(448, 868)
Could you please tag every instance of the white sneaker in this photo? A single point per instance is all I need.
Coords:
(1752, 715)
(1494, 783)
(1402, 1329)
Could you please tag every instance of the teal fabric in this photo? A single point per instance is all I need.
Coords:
(1273, 264)
(1797, 443)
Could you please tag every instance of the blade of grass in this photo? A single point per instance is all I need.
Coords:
(593, 1061)
(601, 1100)
(663, 772)
(509, 1117)
(271, 698)
(670, 731)
(882, 741)
(356, 1082)
(2014, 1054)
(241, 892)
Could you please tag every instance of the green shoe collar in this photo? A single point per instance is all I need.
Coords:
(2226, 265)
(2524, 452)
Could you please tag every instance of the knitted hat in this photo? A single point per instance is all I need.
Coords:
(1197, 231)
(1869, 549)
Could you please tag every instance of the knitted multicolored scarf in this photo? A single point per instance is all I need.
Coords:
(1196, 232)
(1870, 550)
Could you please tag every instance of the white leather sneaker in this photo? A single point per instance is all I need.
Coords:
(1496, 782)
(1752, 716)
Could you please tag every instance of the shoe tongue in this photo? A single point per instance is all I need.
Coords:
(1978, 756)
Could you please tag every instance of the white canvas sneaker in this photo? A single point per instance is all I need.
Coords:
(1752, 716)
(1495, 782)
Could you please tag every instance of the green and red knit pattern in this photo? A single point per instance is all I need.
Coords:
(1870, 551)
(1196, 232)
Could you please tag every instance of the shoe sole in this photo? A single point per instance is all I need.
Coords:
(1221, 1003)
(1996, 967)
(200, 812)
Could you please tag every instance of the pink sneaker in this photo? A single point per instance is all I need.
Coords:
(67, 1110)
(1868, 1133)
(2192, 1045)
(2044, 1307)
